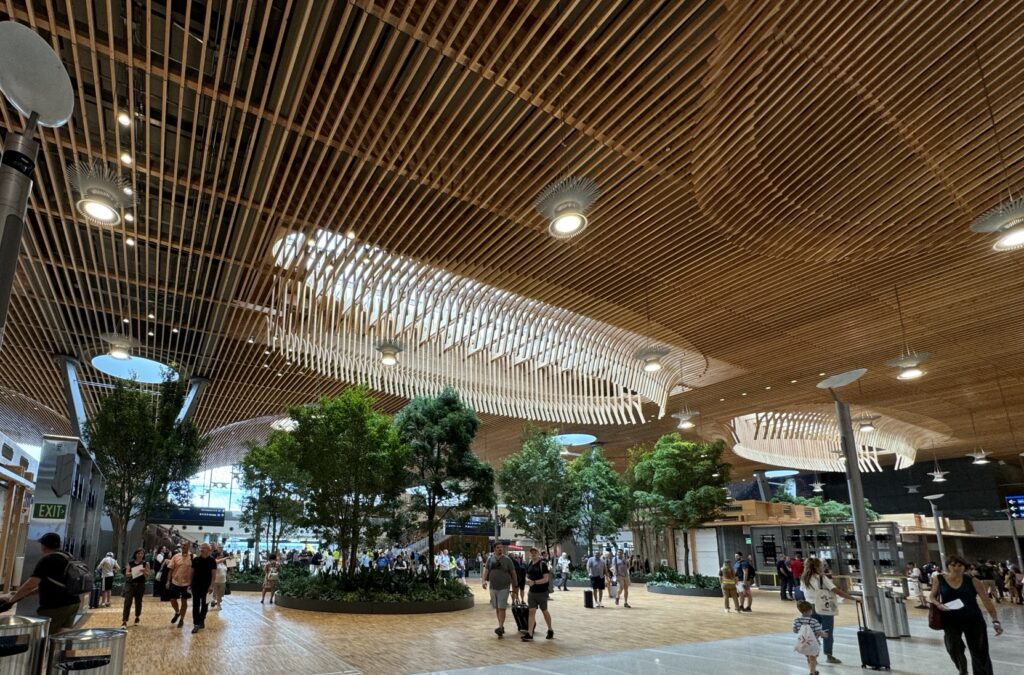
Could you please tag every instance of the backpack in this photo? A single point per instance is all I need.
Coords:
(77, 577)
(806, 641)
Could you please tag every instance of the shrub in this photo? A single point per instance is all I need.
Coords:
(666, 576)
(371, 585)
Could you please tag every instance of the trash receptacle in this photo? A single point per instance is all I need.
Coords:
(22, 644)
(890, 622)
(902, 621)
(96, 651)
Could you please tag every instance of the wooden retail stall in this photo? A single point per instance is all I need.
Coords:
(16, 486)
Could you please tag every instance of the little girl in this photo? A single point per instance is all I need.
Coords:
(728, 578)
(808, 631)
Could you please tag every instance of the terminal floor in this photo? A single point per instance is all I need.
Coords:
(269, 639)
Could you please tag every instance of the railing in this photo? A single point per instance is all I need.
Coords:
(420, 546)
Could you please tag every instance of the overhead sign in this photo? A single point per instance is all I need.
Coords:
(475, 525)
(189, 515)
(1016, 505)
(42, 511)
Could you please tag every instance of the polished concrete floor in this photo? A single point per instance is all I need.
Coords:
(659, 634)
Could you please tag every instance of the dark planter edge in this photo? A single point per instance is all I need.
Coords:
(340, 607)
(693, 592)
(245, 587)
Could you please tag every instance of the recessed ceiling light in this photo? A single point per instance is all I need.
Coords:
(351, 234)
(743, 394)
(129, 242)
(126, 320)
(280, 374)
(792, 381)
(124, 119)
(129, 218)
(151, 316)
(126, 158)
(150, 333)
(174, 330)
(266, 365)
(721, 399)
(251, 340)
(266, 352)
(128, 191)
(821, 374)
(768, 387)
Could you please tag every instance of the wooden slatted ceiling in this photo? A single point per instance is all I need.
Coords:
(769, 172)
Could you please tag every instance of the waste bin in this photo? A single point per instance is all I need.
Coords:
(22, 644)
(902, 621)
(890, 620)
(96, 651)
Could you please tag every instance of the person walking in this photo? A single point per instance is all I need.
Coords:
(500, 574)
(108, 565)
(744, 581)
(820, 591)
(785, 575)
(55, 603)
(727, 578)
(914, 587)
(597, 570)
(956, 595)
(564, 567)
(808, 630)
(796, 566)
(220, 583)
(179, 581)
(538, 578)
(204, 566)
(136, 572)
(271, 571)
(621, 568)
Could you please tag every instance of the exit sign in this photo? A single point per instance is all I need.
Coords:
(42, 511)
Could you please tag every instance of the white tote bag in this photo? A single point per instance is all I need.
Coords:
(806, 642)
(824, 600)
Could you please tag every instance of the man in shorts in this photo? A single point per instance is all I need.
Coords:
(621, 568)
(178, 582)
(744, 578)
(597, 569)
(538, 578)
(500, 574)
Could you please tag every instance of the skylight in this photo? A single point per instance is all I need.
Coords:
(137, 368)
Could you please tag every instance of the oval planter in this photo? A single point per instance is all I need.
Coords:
(341, 607)
(698, 592)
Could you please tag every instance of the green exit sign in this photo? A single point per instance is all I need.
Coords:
(42, 511)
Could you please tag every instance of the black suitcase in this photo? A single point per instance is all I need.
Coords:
(94, 597)
(874, 651)
(521, 613)
(588, 599)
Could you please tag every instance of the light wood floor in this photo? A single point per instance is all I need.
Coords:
(268, 639)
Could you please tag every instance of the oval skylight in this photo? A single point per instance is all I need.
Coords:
(137, 368)
(570, 440)
(780, 473)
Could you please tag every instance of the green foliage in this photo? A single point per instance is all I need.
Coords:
(829, 510)
(449, 480)
(679, 484)
(371, 585)
(270, 475)
(669, 577)
(542, 498)
(605, 496)
(145, 455)
(355, 464)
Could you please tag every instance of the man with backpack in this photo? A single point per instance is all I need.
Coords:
(60, 581)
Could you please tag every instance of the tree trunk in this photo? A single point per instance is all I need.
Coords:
(431, 514)
(686, 551)
(119, 523)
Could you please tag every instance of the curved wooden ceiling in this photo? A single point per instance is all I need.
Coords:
(770, 172)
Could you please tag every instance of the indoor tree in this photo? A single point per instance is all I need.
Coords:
(274, 484)
(355, 464)
(681, 484)
(448, 480)
(146, 454)
(604, 496)
(542, 498)
(829, 510)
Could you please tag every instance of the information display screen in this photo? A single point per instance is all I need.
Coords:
(1016, 505)
(189, 515)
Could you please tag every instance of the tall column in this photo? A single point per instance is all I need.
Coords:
(1016, 542)
(16, 166)
(937, 517)
(860, 520)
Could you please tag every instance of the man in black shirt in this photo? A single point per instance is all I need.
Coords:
(785, 575)
(538, 578)
(203, 569)
(55, 603)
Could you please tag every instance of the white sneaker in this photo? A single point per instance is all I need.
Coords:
(727, 610)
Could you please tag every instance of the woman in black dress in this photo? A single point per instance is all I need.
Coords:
(966, 621)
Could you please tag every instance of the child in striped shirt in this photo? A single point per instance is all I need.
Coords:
(807, 638)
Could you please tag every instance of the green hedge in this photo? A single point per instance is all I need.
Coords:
(370, 586)
(673, 579)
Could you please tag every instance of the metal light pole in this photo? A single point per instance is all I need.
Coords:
(35, 82)
(1013, 533)
(937, 517)
(869, 579)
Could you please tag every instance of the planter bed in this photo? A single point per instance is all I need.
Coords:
(342, 607)
(698, 592)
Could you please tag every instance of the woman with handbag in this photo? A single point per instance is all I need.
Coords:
(955, 596)
(821, 592)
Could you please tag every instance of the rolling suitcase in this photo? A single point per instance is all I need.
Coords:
(874, 651)
(94, 597)
(521, 613)
(588, 599)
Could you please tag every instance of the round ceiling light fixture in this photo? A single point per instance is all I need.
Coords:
(866, 423)
(909, 365)
(389, 351)
(980, 456)
(686, 418)
(938, 476)
(651, 358)
(1006, 221)
(101, 194)
(124, 119)
(817, 486)
(564, 204)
